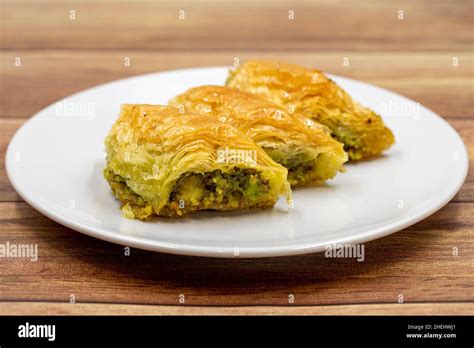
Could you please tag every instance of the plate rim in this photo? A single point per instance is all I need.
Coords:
(230, 252)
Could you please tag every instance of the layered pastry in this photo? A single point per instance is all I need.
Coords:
(312, 93)
(166, 163)
(303, 146)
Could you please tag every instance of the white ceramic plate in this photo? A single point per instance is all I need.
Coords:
(55, 163)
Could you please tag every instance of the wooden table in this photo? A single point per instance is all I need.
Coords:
(415, 56)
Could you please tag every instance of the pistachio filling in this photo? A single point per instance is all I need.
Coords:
(301, 166)
(232, 190)
(216, 190)
(352, 144)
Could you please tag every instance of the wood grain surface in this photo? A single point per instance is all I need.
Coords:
(430, 265)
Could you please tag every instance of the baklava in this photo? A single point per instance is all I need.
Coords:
(312, 93)
(303, 146)
(166, 163)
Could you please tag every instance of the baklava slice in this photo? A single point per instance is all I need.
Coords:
(303, 146)
(161, 162)
(312, 93)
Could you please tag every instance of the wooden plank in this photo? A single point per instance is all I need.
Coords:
(222, 25)
(465, 127)
(7, 128)
(419, 263)
(53, 308)
(46, 76)
(413, 56)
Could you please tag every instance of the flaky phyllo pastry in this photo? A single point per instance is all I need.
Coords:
(303, 146)
(310, 92)
(163, 162)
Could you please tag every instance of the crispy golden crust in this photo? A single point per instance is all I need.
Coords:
(285, 136)
(150, 147)
(312, 93)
